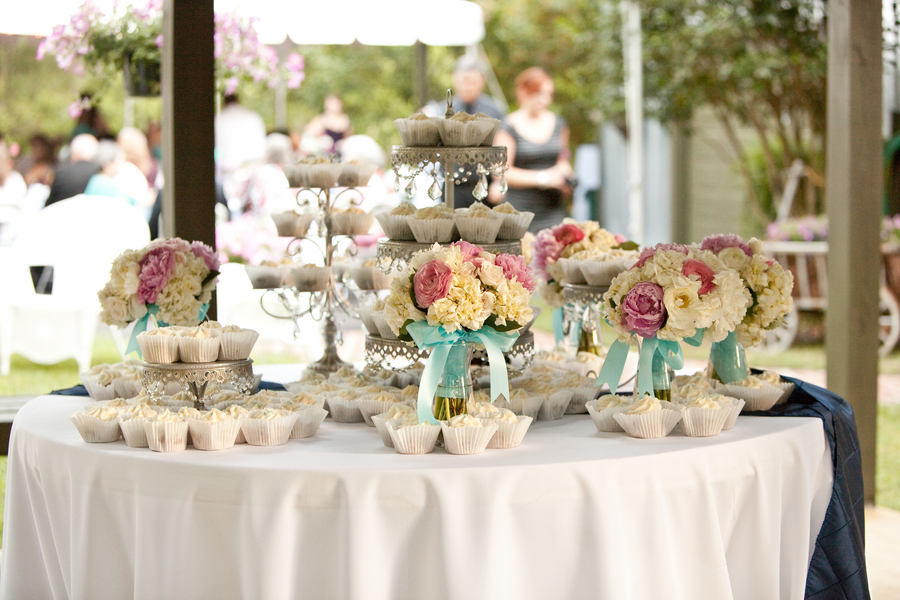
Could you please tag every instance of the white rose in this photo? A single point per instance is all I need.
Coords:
(734, 258)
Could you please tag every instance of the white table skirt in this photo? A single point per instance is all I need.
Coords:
(572, 513)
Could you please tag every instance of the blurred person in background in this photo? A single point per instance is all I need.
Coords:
(88, 120)
(110, 157)
(132, 177)
(326, 132)
(240, 149)
(12, 192)
(72, 177)
(537, 142)
(37, 167)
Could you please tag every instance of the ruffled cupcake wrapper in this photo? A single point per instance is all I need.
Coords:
(604, 418)
(370, 407)
(97, 391)
(127, 388)
(196, 350)
(259, 432)
(656, 424)
(601, 273)
(308, 422)
(554, 407)
(757, 399)
(311, 279)
(286, 223)
(418, 132)
(527, 407)
(237, 345)
(384, 330)
(355, 175)
(381, 427)
(160, 349)
(324, 175)
(416, 439)
(262, 278)
(510, 435)
(468, 440)
(213, 436)
(478, 230)
(166, 436)
(572, 271)
(351, 224)
(371, 278)
(733, 413)
(133, 432)
(344, 410)
(429, 231)
(366, 316)
(580, 396)
(395, 226)
(95, 431)
(459, 134)
(514, 227)
(704, 422)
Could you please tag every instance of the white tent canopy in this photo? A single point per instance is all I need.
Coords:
(370, 22)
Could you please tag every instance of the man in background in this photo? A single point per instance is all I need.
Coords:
(72, 178)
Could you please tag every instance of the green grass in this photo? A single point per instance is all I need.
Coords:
(887, 481)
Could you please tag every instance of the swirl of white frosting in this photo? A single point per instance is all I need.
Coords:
(464, 420)
(399, 411)
(612, 401)
(104, 413)
(703, 402)
(644, 405)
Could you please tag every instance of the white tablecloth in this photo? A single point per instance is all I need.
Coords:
(572, 513)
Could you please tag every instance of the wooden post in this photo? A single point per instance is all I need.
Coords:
(853, 187)
(188, 88)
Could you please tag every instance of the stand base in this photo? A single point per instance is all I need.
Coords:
(329, 363)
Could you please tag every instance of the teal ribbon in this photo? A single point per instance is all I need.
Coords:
(559, 330)
(140, 326)
(728, 359)
(613, 365)
(439, 341)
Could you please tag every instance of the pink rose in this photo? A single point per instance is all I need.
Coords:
(620, 239)
(468, 250)
(648, 253)
(432, 282)
(514, 267)
(717, 243)
(568, 234)
(156, 270)
(644, 309)
(203, 251)
(703, 271)
(547, 250)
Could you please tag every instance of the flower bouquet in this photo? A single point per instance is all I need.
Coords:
(460, 294)
(170, 279)
(673, 293)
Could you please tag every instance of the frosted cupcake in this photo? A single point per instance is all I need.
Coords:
(757, 393)
(238, 412)
(463, 129)
(734, 406)
(419, 130)
(98, 424)
(305, 399)
(647, 418)
(198, 345)
(268, 427)
(131, 422)
(465, 434)
(356, 174)
(159, 345)
(351, 221)
(515, 223)
(398, 412)
(394, 224)
(369, 276)
(99, 382)
(479, 224)
(384, 329)
(571, 269)
(129, 383)
(704, 416)
(308, 422)
(523, 403)
(213, 430)
(292, 224)
(375, 405)
(433, 224)
(323, 174)
(269, 274)
(412, 437)
(311, 278)
(555, 403)
(511, 429)
(604, 409)
(601, 270)
(166, 432)
(236, 343)
(344, 408)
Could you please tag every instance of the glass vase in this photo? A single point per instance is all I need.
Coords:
(455, 387)
(727, 362)
(590, 339)
(662, 378)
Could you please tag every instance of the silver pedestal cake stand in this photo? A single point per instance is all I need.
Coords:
(194, 377)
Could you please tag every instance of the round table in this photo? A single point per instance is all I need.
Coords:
(572, 513)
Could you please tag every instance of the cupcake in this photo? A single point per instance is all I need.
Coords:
(310, 277)
(384, 330)
(523, 403)
(369, 276)
(433, 224)
(601, 270)
(129, 384)
(394, 224)
(324, 174)
(98, 424)
(159, 345)
(375, 405)
(292, 224)
(465, 130)
(571, 269)
(465, 434)
(269, 274)
(351, 221)
(167, 432)
(99, 382)
(648, 418)
(604, 409)
(236, 343)
(356, 174)
(758, 394)
(344, 409)
(213, 430)
(479, 226)
(419, 130)
(411, 437)
(238, 412)
(305, 399)
(555, 405)
(511, 430)
(398, 412)
(131, 422)
(198, 345)
(704, 417)
(515, 224)
(268, 427)
(734, 407)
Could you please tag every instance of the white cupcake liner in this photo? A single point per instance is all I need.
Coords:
(344, 410)
(554, 406)
(127, 388)
(384, 330)
(478, 230)
(468, 440)
(492, 132)
(160, 349)
(757, 399)
(97, 391)
(580, 396)
(429, 231)
(527, 407)
(415, 439)
(196, 350)
(787, 389)
(237, 345)
(371, 278)
(704, 422)
(734, 412)
(514, 227)
(509, 435)
(601, 273)
(263, 278)
(323, 175)
(133, 432)
(311, 279)
(213, 436)
(458, 134)
(94, 430)
(604, 418)
(356, 175)
(351, 223)
(571, 269)
(381, 426)
(291, 224)
(656, 424)
(308, 422)
(419, 132)
(369, 407)
(395, 226)
(296, 175)
(259, 432)
(166, 436)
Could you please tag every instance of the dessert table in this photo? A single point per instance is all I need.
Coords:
(572, 513)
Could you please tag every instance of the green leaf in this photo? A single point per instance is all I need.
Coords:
(626, 246)
(403, 334)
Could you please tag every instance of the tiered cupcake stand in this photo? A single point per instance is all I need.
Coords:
(194, 377)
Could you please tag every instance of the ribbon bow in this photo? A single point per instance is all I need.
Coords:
(439, 341)
(670, 352)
